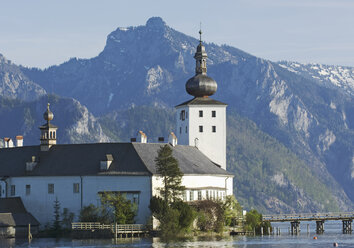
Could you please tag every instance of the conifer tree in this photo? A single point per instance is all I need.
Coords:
(56, 222)
(167, 167)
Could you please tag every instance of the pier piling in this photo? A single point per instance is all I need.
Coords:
(320, 226)
(347, 226)
(295, 227)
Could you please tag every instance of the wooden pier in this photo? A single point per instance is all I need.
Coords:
(116, 230)
(320, 218)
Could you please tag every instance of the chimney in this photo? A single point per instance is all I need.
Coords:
(8, 143)
(19, 141)
(172, 139)
(104, 165)
(142, 138)
(161, 139)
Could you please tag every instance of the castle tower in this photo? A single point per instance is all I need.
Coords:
(48, 131)
(201, 122)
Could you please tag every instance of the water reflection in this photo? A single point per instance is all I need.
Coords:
(304, 240)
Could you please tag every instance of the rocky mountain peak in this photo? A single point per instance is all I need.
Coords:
(3, 60)
(156, 23)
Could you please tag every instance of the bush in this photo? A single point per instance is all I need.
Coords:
(210, 216)
(254, 222)
(90, 213)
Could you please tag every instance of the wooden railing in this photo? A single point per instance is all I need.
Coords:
(120, 229)
(308, 216)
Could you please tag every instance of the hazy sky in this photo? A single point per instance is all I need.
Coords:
(46, 32)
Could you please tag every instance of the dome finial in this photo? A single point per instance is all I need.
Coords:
(201, 85)
(48, 115)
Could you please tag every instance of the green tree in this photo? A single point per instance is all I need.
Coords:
(167, 167)
(232, 211)
(119, 207)
(67, 219)
(90, 213)
(56, 222)
(254, 222)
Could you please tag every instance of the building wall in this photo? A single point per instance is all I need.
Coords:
(212, 144)
(40, 203)
(197, 183)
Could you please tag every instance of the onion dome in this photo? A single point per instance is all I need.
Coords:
(201, 85)
(48, 115)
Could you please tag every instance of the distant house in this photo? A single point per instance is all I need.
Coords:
(77, 174)
(15, 220)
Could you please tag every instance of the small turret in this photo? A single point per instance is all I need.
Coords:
(48, 131)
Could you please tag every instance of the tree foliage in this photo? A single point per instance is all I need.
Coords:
(254, 222)
(232, 211)
(115, 207)
(56, 222)
(210, 215)
(167, 167)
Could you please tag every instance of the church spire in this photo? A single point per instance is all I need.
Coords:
(200, 57)
(201, 85)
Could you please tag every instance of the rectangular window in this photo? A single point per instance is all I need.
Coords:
(199, 195)
(200, 129)
(213, 113)
(28, 189)
(207, 194)
(136, 199)
(13, 190)
(50, 188)
(180, 129)
(191, 195)
(186, 129)
(213, 129)
(200, 113)
(76, 188)
(183, 115)
(184, 195)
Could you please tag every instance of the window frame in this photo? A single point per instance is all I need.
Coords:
(13, 190)
(51, 188)
(28, 189)
(76, 188)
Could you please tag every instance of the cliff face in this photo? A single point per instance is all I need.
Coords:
(14, 84)
(76, 124)
(148, 65)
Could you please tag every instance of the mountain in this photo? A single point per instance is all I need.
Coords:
(331, 76)
(148, 66)
(76, 124)
(15, 85)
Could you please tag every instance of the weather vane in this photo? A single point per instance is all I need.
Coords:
(200, 32)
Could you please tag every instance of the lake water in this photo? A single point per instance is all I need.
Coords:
(304, 240)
